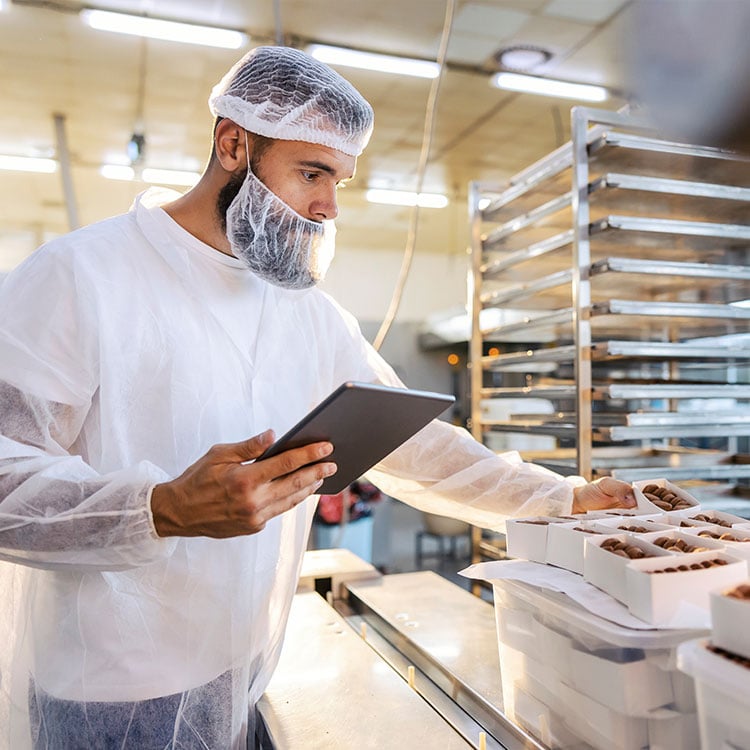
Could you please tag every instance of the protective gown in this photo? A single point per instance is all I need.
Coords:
(127, 349)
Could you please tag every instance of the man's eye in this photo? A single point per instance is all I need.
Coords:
(309, 176)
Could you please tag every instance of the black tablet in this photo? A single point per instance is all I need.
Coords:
(364, 422)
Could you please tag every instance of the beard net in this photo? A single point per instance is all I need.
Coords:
(279, 92)
(274, 241)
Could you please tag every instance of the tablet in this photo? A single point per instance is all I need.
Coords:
(364, 422)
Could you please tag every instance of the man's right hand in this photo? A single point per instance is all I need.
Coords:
(222, 496)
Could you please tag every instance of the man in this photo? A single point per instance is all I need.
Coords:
(150, 600)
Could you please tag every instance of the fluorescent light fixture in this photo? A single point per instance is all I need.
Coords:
(27, 164)
(155, 28)
(116, 172)
(352, 58)
(741, 303)
(170, 177)
(406, 198)
(549, 87)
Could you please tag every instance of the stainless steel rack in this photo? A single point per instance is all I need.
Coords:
(626, 255)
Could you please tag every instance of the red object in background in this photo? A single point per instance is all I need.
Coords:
(349, 505)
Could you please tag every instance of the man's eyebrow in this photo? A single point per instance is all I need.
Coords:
(323, 167)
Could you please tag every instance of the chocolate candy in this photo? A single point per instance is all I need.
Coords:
(677, 545)
(705, 564)
(536, 523)
(741, 660)
(739, 592)
(709, 519)
(722, 537)
(635, 529)
(586, 531)
(664, 499)
(623, 549)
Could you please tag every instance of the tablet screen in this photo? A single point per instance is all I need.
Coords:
(364, 422)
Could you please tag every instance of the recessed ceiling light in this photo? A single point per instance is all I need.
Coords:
(522, 57)
(170, 177)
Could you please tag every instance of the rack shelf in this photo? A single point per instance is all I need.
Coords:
(624, 260)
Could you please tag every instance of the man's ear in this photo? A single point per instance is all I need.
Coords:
(229, 146)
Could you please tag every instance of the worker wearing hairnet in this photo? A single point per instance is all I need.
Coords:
(144, 363)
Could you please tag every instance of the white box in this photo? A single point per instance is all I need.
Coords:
(730, 620)
(657, 597)
(553, 647)
(623, 525)
(646, 504)
(729, 518)
(673, 730)
(526, 538)
(606, 571)
(645, 660)
(722, 688)
(565, 543)
(737, 548)
(687, 537)
(601, 726)
(633, 687)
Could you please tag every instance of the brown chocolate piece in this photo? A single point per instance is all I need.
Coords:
(623, 549)
(710, 519)
(741, 660)
(739, 592)
(635, 529)
(536, 523)
(705, 564)
(664, 499)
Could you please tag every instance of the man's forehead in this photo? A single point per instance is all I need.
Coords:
(315, 156)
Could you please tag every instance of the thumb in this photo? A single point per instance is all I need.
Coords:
(619, 489)
(246, 450)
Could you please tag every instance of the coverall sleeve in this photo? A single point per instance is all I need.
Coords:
(444, 470)
(55, 510)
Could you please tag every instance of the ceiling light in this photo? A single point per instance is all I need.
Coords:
(406, 198)
(549, 87)
(155, 28)
(522, 57)
(170, 177)
(370, 61)
(28, 164)
(116, 172)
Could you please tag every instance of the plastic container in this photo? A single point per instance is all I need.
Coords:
(576, 680)
(722, 689)
(730, 619)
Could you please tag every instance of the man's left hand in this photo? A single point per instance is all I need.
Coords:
(602, 494)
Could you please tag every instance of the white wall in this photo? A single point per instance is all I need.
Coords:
(362, 281)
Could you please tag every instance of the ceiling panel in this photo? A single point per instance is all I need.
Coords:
(108, 84)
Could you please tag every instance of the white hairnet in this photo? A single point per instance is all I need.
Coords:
(279, 92)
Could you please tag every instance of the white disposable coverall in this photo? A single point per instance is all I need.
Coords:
(127, 349)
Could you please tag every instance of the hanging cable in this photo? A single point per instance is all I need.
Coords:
(411, 238)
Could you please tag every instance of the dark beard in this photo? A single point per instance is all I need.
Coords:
(229, 192)
(226, 195)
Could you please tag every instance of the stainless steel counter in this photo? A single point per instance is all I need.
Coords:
(331, 691)
(342, 681)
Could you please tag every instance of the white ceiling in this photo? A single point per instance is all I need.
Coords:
(52, 63)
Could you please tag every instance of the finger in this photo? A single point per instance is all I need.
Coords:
(291, 490)
(245, 450)
(290, 461)
(622, 491)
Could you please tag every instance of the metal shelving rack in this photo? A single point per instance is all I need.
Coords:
(620, 256)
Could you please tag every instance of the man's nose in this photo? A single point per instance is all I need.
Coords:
(325, 206)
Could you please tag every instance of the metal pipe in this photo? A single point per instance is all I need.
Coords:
(63, 156)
